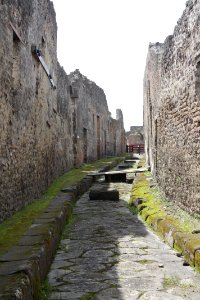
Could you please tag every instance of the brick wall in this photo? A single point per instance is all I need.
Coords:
(172, 110)
(43, 131)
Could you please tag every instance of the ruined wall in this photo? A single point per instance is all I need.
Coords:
(26, 107)
(172, 110)
(38, 124)
(120, 133)
(135, 135)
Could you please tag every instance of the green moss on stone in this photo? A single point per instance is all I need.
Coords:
(197, 260)
(172, 224)
(145, 261)
(89, 296)
(13, 228)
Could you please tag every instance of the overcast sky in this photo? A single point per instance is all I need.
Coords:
(107, 40)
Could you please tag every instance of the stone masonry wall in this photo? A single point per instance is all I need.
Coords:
(172, 110)
(135, 135)
(43, 131)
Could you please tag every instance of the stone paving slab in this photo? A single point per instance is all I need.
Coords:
(111, 254)
(24, 266)
(171, 229)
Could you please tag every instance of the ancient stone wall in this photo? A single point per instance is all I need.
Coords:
(43, 131)
(135, 135)
(172, 110)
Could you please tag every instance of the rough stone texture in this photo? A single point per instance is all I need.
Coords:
(108, 253)
(135, 135)
(44, 131)
(172, 109)
(25, 266)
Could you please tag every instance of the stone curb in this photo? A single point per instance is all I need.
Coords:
(187, 244)
(25, 266)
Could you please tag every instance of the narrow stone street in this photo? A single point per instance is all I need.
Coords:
(108, 253)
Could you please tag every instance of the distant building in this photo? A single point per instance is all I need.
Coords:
(135, 135)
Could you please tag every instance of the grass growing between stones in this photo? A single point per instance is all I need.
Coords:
(72, 219)
(154, 205)
(146, 262)
(13, 228)
(169, 221)
(45, 291)
(174, 281)
(170, 281)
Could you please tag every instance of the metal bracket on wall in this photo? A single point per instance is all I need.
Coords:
(38, 54)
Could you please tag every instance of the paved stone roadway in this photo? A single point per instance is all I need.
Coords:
(110, 254)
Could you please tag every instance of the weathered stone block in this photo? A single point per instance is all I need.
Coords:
(16, 286)
(197, 260)
(28, 267)
(191, 246)
(180, 238)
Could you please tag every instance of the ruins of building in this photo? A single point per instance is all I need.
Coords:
(49, 121)
(172, 110)
(135, 135)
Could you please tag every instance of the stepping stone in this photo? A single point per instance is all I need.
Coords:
(104, 194)
(125, 166)
(130, 161)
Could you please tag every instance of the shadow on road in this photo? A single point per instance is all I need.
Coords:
(99, 252)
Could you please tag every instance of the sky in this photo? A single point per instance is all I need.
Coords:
(107, 40)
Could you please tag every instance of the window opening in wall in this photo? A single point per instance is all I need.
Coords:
(16, 35)
(73, 92)
(16, 59)
(70, 90)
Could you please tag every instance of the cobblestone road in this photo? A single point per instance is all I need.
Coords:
(110, 254)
